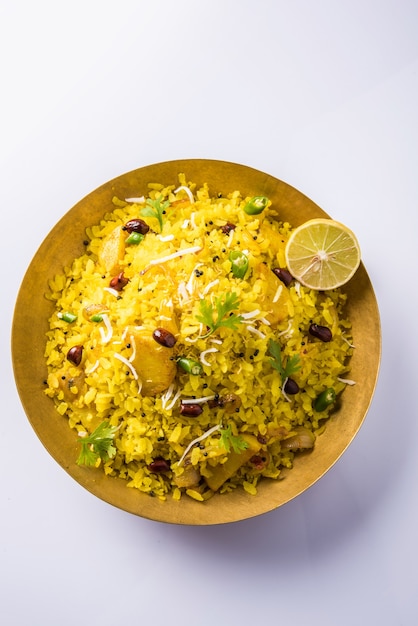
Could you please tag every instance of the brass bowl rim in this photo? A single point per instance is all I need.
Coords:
(58, 249)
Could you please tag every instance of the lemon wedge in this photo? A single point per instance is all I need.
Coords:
(322, 254)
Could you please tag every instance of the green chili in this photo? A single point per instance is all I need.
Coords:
(96, 318)
(190, 366)
(256, 205)
(325, 399)
(134, 238)
(239, 263)
(67, 317)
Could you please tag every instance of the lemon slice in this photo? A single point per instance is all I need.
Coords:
(322, 254)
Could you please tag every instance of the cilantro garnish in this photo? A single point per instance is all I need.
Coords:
(228, 440)
(291, 366)
(224, 306)
(98, 445)
(155, 208)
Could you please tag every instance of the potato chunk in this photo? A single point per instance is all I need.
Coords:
(153, 363)
(222, 472)
(112, 251)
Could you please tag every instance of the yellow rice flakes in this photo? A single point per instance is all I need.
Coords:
(235, 362)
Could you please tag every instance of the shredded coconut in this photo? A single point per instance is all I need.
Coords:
(167, 396)
(189, 284)
(197, 400)
(250, 314)
(139, 199)
(278, 293)
(169, 257)
(257, 332)
(348, 342)
(114, 292)
(346, 381)
(133, 344)
(210, 285)
(187, 190)
(264, 321)
(107, 334)
(93, 368)
(204, 353)
(128, 364)
(208, 433)
(287, 330)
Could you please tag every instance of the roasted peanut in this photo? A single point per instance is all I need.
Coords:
(75, 354)
(164, 337)
(190, 410)
(320, 332)
(136, 226)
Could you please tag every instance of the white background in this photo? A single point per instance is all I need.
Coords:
(322, 94)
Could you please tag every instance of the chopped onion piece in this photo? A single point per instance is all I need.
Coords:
(187, 190)
(230, 238)
(303, 439)
(204, 353)
(128, 364)
(208, 433)
(165, 238)
(218, 341)
(185, 224)
(169, 257)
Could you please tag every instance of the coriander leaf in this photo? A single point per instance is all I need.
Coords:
(98, 445)
(292, 364)
(229, 440)
(224, 306)
(155, 208)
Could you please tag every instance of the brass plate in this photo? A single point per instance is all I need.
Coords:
(65, 242)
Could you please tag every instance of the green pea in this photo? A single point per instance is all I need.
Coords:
(190, 366)
(325, 399)
(239, 263)
(256, 205)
